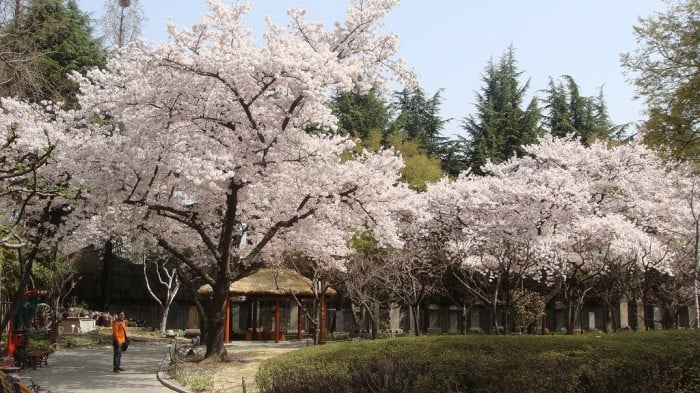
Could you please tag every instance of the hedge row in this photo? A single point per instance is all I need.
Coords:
(660, 361)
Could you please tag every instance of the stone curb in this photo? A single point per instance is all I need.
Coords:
(163, 376)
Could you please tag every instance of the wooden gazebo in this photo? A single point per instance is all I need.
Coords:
(275, 283)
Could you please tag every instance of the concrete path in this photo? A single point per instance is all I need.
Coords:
(89, 370)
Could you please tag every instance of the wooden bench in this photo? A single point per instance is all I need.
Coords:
(10, 369)
(13, 383)
(37, 358)
(7, 363)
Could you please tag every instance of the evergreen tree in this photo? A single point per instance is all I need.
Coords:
(359, 113)
(366, 118)
(453, 156)
(501, 127)
(45, 41)
(567, 112)
(418, 119)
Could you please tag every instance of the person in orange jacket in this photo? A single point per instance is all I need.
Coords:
(119, 340)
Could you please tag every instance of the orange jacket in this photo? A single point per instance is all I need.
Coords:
(119, 331)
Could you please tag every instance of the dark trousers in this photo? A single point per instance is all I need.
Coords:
(117, 362)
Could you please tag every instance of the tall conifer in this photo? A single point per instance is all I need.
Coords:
(42, 44)
(501, 127)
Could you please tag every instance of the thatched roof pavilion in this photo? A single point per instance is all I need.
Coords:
(270, 282)
(273, 283)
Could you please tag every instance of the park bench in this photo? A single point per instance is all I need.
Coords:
(13, 383)
(24, 358)
(7, 362)
(37, 358)
(9, 365)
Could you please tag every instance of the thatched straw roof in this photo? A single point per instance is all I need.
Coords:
(270, 282)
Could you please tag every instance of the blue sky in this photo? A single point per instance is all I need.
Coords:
(450, 42)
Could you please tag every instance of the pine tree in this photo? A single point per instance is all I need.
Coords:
(500, 128)
(359, 113)
(42, 44)
(569, 113)
(418, 119)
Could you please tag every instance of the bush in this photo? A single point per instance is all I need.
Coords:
(661, 361)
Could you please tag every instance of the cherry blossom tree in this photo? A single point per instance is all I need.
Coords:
(36, 191)
(682, 229)
(361, 282)
(564, 211)
(203, 141)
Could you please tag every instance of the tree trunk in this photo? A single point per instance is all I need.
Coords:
(107, 263)
(494, 306)
(201, 311)
(216, 316)
(493, 318)
(647, 324)
(696, 274)
(374, 319)
(570, 312)
(416, 319)
(164, 319)
(465, 314)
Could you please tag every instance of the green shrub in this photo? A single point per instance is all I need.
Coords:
(667, 361)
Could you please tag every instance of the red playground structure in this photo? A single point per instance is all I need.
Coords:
(21, 322)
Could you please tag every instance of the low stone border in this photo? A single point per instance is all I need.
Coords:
(163, 375)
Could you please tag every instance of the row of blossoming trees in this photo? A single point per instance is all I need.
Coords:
(568, 221)
(194, 144)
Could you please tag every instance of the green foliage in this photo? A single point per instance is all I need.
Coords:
(364, 243)
(570, 113)
(371, 142)
(526, 307)
(666, 72)
(501, 127)
(48, 39)
(414, 131)
(418, 119)
(662, 361)
(419, 168)
(10, 269)
(359, 114)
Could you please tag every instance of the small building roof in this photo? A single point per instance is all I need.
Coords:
(270, 282)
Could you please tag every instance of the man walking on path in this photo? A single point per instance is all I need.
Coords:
(118, 341)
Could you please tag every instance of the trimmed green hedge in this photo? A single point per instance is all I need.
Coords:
(659, 361)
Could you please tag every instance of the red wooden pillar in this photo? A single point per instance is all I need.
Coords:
(256, 334)
(300, 318)
(322, 322)
(277, 319)
(227, 330)
(11, 340)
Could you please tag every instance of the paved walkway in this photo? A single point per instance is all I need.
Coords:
(89, 370)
